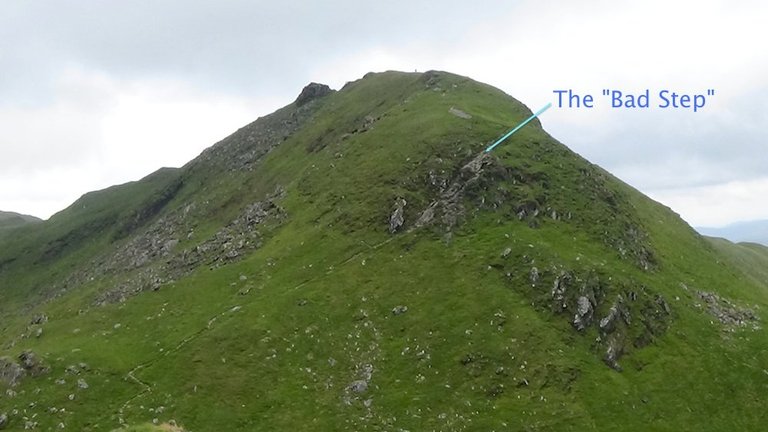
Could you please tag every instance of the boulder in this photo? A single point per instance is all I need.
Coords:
(31, 363)
(359, 386)
(11, 372)
(399, 310)
(397, 218)
(459, 113)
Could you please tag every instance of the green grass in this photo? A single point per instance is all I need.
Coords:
(272, 341)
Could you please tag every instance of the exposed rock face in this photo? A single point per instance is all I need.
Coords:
(559, 288)
(450, 200)
(584, 313)
(155, 260)
(311, 92)
(397, 218)
(617, 311)
(634, 318)
(613, 328)
(614, 350)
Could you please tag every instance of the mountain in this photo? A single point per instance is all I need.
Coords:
(9, 220)
(751, 258)
(751, 231)
(355, 261)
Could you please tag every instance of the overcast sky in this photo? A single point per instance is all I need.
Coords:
(96, 93)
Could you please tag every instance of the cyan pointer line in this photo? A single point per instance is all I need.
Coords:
(536, 114)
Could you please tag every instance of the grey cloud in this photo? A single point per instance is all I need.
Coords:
(247, 46)
(662, 150)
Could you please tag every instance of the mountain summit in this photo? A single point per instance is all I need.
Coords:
(355, 261)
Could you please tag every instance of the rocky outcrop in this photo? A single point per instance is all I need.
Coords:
(449, 204)
(728, 313)
(12, 372)
(584, 313)
(559, 292)
(155, 261)
(629, 319)
(617, 311)
(311, 92)
(613, 329)
(397, 218)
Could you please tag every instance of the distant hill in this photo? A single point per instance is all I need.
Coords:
(750, 231)
(751, 258)
(14, 220)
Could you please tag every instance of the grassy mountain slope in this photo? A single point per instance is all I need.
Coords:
(752, 258)
(355, 262)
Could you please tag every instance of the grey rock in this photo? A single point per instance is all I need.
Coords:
(559, 289)
(612, 354)
(506, 252)
(11, 372)
(3, 420)
(397, 218)
(82, 384)
(359, 386)
(399, 310)
(459, 113)
(618, 311)
(584, 313)
(39, 319)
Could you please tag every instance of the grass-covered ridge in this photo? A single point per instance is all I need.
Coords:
(265, 286)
